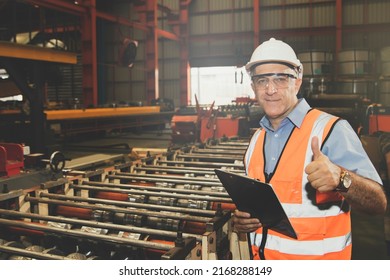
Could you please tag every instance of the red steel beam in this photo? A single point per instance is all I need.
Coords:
(166, 34)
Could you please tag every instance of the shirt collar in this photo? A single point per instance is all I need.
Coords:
(296, 116)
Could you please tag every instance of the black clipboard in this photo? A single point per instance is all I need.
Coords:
(258, 199)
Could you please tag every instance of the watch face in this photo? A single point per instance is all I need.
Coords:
(347, 180)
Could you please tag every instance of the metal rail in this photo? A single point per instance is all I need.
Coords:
(68, 232)
(189, 180)
(32, 254)
(169, 168)
(110, 226)
(110, 208)
(162, 179)
(214, 157)
(203, 163)
(218, 152)
(177, 170)
(212, 194)
(158, 194)
(192, 211)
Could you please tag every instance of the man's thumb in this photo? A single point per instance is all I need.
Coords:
(315, 147)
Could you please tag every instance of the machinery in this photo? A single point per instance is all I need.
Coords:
(165, 206)
(200, 123)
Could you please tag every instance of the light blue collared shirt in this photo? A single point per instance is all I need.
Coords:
(343, 146)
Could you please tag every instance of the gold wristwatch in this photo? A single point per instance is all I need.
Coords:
(345, 181)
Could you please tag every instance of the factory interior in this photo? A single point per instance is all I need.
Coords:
(115, 114)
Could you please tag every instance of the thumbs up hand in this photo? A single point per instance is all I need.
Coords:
(322, 174)
(315, 147)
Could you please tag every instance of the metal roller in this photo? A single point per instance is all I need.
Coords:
(171, 165)
(213, 152)
(142, 205)
(110, 226)
(163, 169)
(165, 214)
(92, 236)
(176, 192)
(214, 158)
(236, 165)
(24, 254)
(240, 147)
(176, 207)
(33, 248)
(130, 219)
(167, 179)
(10, 244)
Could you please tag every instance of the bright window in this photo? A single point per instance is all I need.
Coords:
(219, 84)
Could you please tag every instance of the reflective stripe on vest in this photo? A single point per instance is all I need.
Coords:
(321, 220)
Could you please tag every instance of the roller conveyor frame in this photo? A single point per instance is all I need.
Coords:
(212, 226)
(18, 195)
(97, 224)
(172, 252)
(217, 226)
(171, 215)
(79, 234)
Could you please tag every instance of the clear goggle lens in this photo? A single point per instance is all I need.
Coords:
(279, 80)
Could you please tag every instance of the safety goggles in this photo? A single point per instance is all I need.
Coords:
(279, 80)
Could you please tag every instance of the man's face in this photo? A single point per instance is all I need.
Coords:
(276, 94)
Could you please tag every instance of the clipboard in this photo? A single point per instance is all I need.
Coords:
(258, 199)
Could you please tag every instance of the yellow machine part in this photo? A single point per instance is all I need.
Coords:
(99, 112)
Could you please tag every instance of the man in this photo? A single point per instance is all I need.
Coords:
(314, 161)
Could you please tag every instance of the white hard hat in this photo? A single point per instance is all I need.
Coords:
(275, 51)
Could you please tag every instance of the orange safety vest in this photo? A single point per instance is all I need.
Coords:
(321, 220)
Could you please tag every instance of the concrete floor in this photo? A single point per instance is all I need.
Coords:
(367, 231)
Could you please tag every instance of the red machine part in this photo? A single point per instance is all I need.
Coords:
(11, 159)
(112, 196)
(224, 206)
(218, 127)
(155, 253)
(76, 212)
(26, 231)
